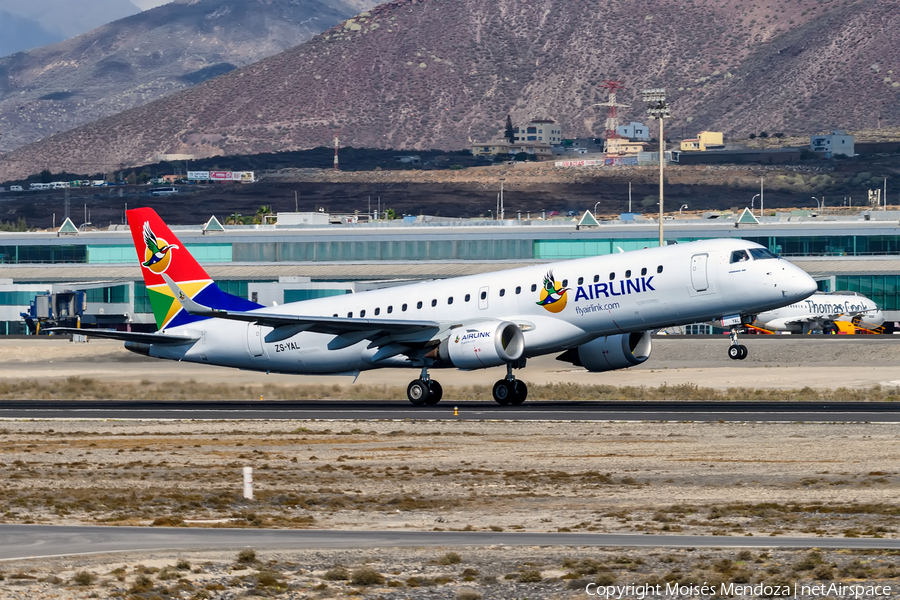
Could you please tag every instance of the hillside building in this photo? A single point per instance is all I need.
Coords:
(833, 144)
(705, 140)
(502, 146)
(546, 131)
(624, 147)
(634, 131)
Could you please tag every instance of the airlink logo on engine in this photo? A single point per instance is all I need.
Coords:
(472, 336)
(623, 287)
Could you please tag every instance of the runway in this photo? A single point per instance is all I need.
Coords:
(843, 412)
(41, 541)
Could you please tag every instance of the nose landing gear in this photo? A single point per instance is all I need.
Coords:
(736, 351)
(424, 390)
(510, 390)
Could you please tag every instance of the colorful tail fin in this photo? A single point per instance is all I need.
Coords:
(159, 251)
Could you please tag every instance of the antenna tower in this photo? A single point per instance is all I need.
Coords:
(612, 120)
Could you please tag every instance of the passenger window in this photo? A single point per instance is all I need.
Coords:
(419, 304)
(483, 295)
(659, 269)
(628, 274)
(739, 256)
(580, 280)
(390, 309)
(450, 300)
(533, 287)
(377, 311)
(349, 315)
(518, 289)
(565, 283)
(362, 313)
(403, 308)
(434, 302)
(502, 293)
(612, 276)
(468, 297)
(596, 278)
(644, 271)
(335, 315)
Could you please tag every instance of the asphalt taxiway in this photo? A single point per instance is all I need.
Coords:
(40, 541)
(843, 412)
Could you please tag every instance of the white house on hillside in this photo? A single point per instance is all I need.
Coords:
(636, 132)
(837, 142)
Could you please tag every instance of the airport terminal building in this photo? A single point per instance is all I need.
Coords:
(94, 278)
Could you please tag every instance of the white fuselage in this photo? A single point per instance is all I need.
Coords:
(812, 313)
(620, 293)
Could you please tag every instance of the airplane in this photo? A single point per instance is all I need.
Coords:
(825, 312)
(599, 315)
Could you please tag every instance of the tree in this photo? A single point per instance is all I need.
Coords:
(510, 134)
(46, 176)
(263, 214)
(391, 214)
(234, 219)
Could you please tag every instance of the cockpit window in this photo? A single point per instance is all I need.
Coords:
(740, 256)
(761, 254)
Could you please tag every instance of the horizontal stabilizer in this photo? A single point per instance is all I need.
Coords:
(125, 336)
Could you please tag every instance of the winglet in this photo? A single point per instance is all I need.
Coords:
(192, 308)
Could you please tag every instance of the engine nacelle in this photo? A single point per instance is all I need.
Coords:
(610, 353)
(485, 344)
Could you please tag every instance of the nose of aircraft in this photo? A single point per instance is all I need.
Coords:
(798, 284)
(875, 319)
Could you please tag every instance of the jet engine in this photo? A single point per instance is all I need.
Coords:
(484, 344)
(610, 353)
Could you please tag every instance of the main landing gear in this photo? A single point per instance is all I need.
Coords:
(510, 390)
(424, 390)
(736, 351)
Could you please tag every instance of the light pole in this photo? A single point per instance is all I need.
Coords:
(655, 98)
(752, 200)
(502, 211)
(818, 203)
(595, 208)
(683, 206)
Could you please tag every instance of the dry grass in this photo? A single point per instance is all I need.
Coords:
(78, 388)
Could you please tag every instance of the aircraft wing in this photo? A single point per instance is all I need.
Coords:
(126, 336)
(286, 326)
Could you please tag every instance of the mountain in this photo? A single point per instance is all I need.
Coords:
(415, 74)
(21, 33)
(26, 24)
(140, 58)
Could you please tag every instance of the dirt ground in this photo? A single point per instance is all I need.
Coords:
(734, 479)
(529, 188)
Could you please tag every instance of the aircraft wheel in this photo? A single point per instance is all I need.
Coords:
(520, 392)
(436, 393)
(734, 352)
(502, 392)
(744, 352)
(417, 392)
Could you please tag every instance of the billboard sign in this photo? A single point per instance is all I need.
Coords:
(198, 175)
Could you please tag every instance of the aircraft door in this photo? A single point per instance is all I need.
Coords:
(483, 298)
(698, 272)
(254, 339)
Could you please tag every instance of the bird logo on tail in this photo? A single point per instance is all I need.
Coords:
(158, 252)
(553, 294)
